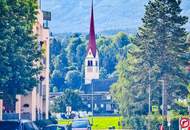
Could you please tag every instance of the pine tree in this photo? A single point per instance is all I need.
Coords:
(128, 92)
(164, 50)
(19, 51)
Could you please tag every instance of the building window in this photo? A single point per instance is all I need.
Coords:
(88, 98)
(90, 63)
(26, 105)
(95, 106)
(96, 63)
(108, 97)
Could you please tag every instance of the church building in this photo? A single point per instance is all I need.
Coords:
(95, 92)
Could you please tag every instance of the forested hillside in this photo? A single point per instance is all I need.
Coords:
(68, 54)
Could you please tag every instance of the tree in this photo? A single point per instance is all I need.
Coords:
(127, 86)
(61, 62)
(107, 52)
(57, 80)
(55, 47)
(69, 98)
(74, 41)
(80, 54)
(121, 40)
(19, 49)
(73, 79)
(162, 41)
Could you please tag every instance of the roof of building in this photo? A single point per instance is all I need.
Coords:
(92, 36)
(98, 85)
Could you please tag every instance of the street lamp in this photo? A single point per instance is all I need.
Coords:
(1, 105)
(92, 101)
(164, 107)
(149, 99)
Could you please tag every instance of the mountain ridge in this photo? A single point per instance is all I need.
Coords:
(74, 15)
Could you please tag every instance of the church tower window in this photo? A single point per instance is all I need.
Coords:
(90, 63)
(96, 63)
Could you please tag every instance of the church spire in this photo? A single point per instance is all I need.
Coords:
(92, 36)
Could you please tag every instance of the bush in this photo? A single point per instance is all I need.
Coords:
(136, 122)
(141, 123)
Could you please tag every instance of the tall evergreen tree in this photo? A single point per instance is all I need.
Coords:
(19, 49)
(162, 41)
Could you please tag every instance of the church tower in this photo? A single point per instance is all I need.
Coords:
(92, 58)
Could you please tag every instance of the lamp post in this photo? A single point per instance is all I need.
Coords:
(149, 99)
(1, 106)
(92, 102)
(164, 107)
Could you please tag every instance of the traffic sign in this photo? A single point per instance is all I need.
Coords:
(161, 127)
(155, 108)
(184, 122)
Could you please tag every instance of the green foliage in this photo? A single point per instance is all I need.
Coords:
(137, 122)
(18, 49)
(55, 48)
(57, 79)
(55, 89)
(80, 55)
(121, 40)
(74, 42)
(127, 86)
(69, 98)
(73, 79)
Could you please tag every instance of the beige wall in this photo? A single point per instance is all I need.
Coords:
(46, 38)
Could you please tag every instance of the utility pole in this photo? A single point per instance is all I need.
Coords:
(1, 106)
(92, 102)
(149, 99)
(164, 104)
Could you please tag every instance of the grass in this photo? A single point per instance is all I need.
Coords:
(100, 122)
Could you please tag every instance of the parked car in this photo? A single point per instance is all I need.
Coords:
(17, 125)
(56, 127)
(81, 124)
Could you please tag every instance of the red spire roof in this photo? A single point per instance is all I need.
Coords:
(92, 36)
